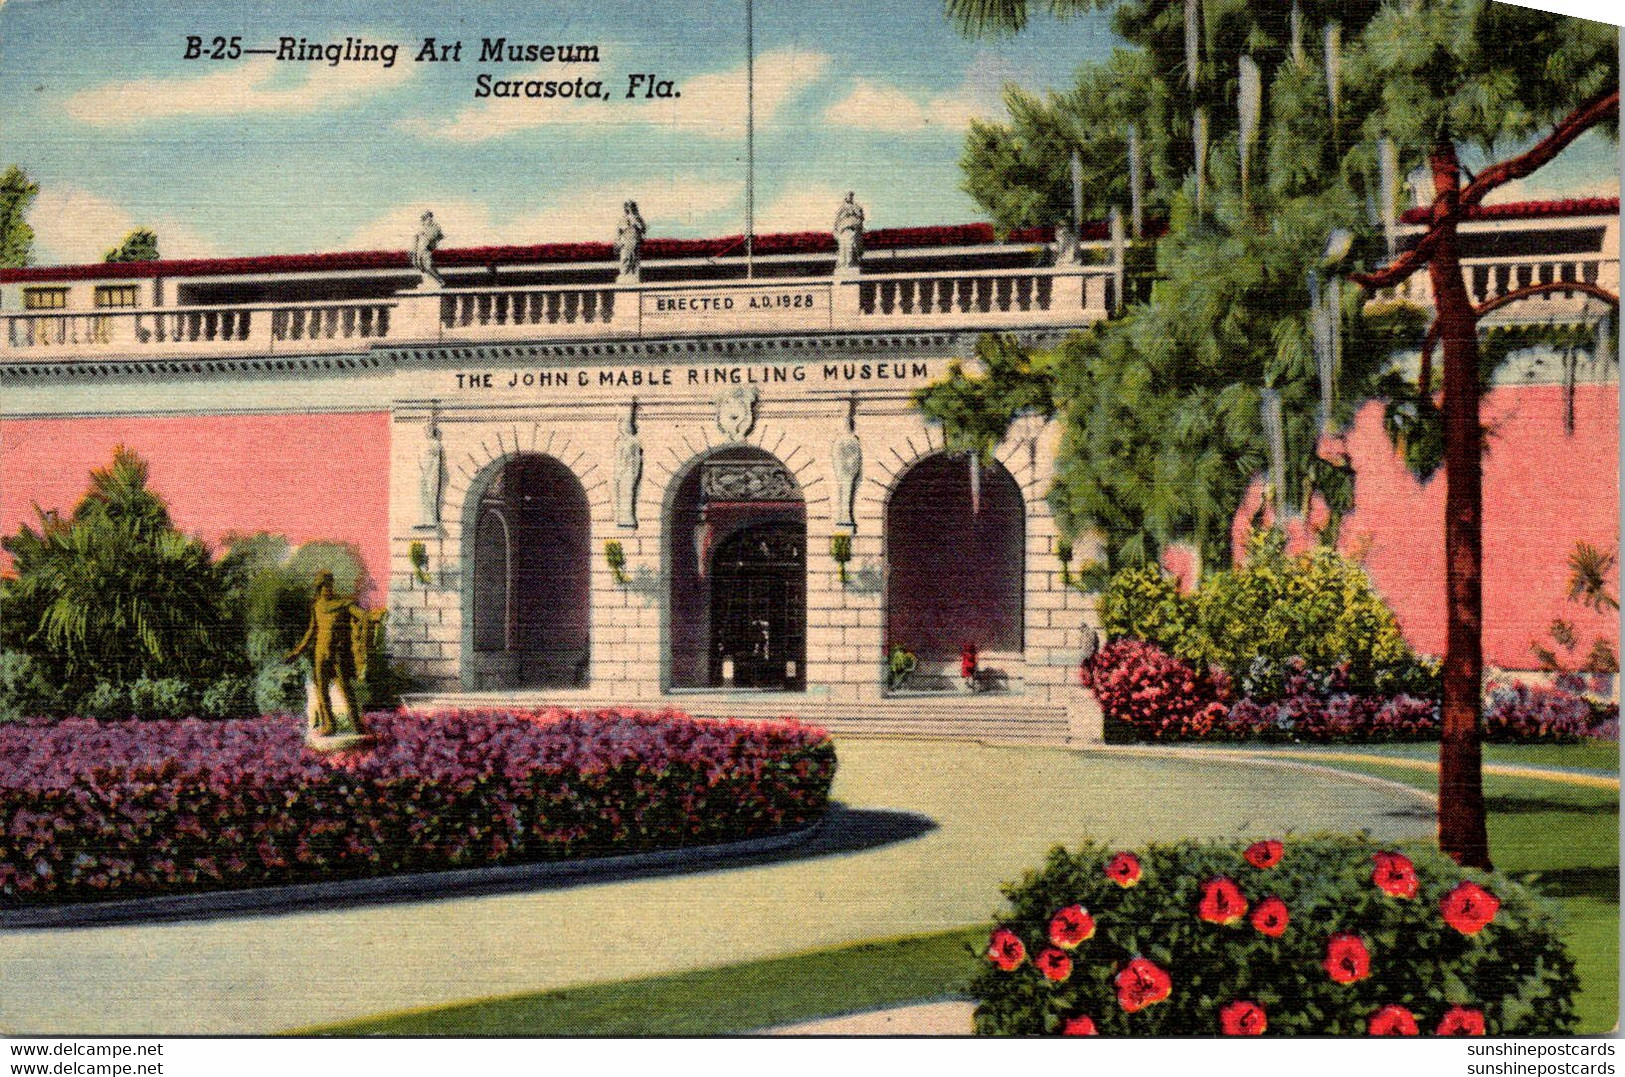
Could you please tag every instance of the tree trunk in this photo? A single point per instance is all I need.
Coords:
(1462, 831)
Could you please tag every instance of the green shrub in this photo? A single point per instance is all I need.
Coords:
(105, 700)
(163, 697)
(1314, 612)
(1177, 931)
(228, 697)
(24, 690)
(279, 688)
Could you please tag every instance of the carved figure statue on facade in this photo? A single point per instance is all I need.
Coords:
(848, 236)
(628, 469)
(629, 243)
(846, 454)
(424, 243)
(338, 640)
(431, 477)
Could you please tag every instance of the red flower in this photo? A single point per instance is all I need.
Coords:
(1242, 1018)
(1054, 964)
(1222, 902)
(1270, 917)
(1079, 1026)
(1461, 1021)
(1124, 869)
(1005, 950)
(1071, 926)
(1395, 875)
(1469, 907)
(1264, 854)
(1347, 959)
(1142, 983)
(1392, 1021)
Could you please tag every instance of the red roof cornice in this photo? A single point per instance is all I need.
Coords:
(963, 235)
(1504, 211)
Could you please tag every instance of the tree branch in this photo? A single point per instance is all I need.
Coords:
(1499, 174)
(1401, 267)
(1543, 289)
(1573, 126)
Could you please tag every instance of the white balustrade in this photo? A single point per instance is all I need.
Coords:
(950, 300)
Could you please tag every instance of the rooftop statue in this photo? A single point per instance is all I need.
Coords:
(424, 243)
(848, 235)
(629, 242)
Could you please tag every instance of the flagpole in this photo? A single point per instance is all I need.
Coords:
(750, 141)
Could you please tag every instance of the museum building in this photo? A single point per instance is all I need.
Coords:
(673, 473)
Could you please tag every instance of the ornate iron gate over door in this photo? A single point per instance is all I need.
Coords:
(758, 608)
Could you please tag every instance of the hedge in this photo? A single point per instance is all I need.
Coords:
(93, 809)
(1329, 935)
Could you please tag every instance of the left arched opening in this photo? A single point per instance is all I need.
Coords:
(529, 575)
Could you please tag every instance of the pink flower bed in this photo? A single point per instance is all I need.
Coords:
(93, 809)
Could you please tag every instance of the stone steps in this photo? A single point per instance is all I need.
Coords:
(956, 717)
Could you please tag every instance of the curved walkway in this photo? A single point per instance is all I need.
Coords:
(996, 811)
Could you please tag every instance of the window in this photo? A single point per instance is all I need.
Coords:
(45, 298)
(116, 295)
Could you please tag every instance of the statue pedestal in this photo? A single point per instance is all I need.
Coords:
(347, 729)
(339, 742)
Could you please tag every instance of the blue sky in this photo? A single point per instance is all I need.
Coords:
(255, 156)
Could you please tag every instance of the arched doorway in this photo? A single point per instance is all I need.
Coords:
(529, 576)
(738, 556)
(955, 561)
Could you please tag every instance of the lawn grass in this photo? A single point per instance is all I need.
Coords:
(1598, 755)
(712, 1002)
(1565, 838)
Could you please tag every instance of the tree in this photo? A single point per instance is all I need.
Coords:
(113, 592)
(1457, 74)
(1295, 122)
(16, 237)
(140, 245)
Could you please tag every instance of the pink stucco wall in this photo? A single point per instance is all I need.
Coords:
(303, 476)
(1544, 490)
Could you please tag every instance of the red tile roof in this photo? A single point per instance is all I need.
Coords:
(963, 235)
(1566, 207)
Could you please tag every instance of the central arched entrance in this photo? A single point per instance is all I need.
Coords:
(529, 575)
(738, 556)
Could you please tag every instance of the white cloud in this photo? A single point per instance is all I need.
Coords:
(256, 86)
(886, 107)
(72, 225)
(711, 104)
(678, 204)
(881, 106)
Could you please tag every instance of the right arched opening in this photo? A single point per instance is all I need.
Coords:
(954, 568)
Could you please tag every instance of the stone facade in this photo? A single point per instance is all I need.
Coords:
(796, 421)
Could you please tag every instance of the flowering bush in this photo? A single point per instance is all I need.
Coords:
(1522, 712)
(93, 809)
(1147, 694)
(1273, 615)
(1344, 938)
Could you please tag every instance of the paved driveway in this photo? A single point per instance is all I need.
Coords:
(929, 831)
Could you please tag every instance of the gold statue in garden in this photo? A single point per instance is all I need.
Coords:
(338, 639)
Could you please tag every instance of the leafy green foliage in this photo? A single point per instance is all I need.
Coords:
(1271, 615)
(17, 191)
(141, 245)
(114, 593)
(976, 410)
(1161, 409)
(1514, 971)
